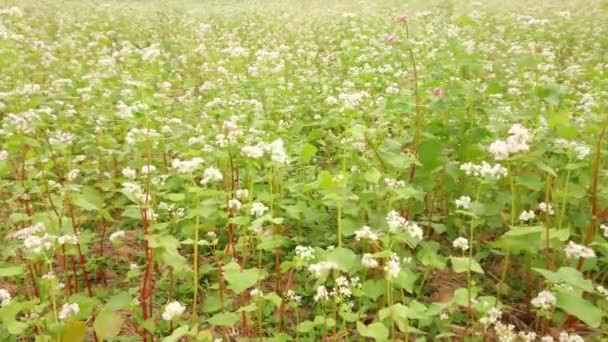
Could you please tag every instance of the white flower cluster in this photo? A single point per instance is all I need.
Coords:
(604, 229)
(320, 267)
(67, 239)
(119, 234)
(546, 208)
(136, 191)
(484, 170)
(393, 183)
(258, 209)
(5, 297)
(368, 261)
(186, 166)
(172, 310)
(129, 173)
(544, 300)
(68, 310)
(242, 194)
(463, 202)
(461, 243)
(574, 250)
(211, 174)
(566, 337)
(397, 222)
(492, 317)
(393, 267)
(321, 294)
(33, 241)
(292, 297)
(275, 149)
(366, 232)
(527, 215)
(234, 204)
(305, 252)
(515, 143)
(581, 150)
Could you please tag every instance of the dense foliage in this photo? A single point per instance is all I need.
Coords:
(304, 171)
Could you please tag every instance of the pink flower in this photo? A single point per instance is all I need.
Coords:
(391, 38)
(402, 18)
(439, 92)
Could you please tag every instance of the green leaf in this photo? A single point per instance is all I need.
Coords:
(306, 326)
(376, 330)
(461, 265)
(75, 331)
(11, 271)
(346, 259)
(177, 334)
(175, 197)
(428, 256)
(107, 324)
(224, 319)
(372, 176)
(308, 151)
(579, 307)
(374, 288)
(241, 280)
(430, 154)
(567, 275)
(80, 201)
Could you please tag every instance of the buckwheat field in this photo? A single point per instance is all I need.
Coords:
(304, 170)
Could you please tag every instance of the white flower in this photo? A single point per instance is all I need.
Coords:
(5, 297)
(527, 215)
(117, 235)
(73, 174)
(505, 332)
(547, 338)
(242, 194)
(186, 166)
(602, 290)
(3, 155)
(305, 252)
(461, 243)
(395, 221)
(365, 232)
(604, 228)
(293, 298)
(36, 244)
(321, 294)
(173, 309)
(463, 202)
(253, 151)
(544, 300)
(234, 204)
(320, 267)
(277, 152)
(256, 293)
(574, 250)
(68, 310)
(499, 149)
(258, 209)
(147, 169)
(393, 183)
(67, 239)
(211, 174)
(368, 261)
(565, 337)
(129, 173)
(546, 208)
(492, 317)
(484, 170)
(393, 267)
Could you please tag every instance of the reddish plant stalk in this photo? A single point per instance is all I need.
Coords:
(81, 257)
(593, 195)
